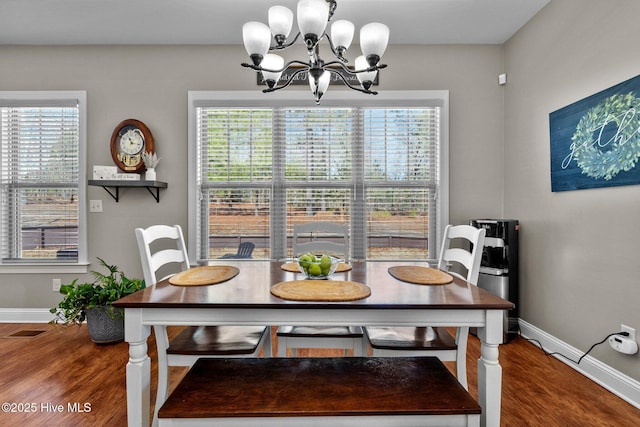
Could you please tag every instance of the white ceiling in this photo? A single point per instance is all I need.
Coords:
(65, 22)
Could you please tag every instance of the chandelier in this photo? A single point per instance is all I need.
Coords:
(313, 18)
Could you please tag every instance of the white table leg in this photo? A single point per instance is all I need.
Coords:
(489, 370)
(138, 369)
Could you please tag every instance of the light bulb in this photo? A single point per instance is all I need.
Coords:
(374, 38)
(257, 38)
(312, 20)
(280, 22)
(342, 34)
(365, 78)
(272, 62)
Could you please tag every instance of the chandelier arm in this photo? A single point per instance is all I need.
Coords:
(349, 85)
(355, 72)
(259, 68)
(287, 82)
(285, 45)
(295, 61)
(333, 5)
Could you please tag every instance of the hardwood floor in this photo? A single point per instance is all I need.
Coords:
(64, 379)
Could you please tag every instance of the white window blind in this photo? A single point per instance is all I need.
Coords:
(234, 184)
(401, 150)
(263, 169)
(316, 145)
(39, 180)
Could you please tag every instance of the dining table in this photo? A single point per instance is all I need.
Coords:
(246, 299)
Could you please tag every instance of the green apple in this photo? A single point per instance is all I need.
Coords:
(325, 261)
(315, 270)
(304, 261)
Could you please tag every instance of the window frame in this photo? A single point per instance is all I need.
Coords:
(338, 98)
(47, 97)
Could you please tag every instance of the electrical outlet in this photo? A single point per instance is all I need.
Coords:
(56, 285)
(95, 205)
(630, 330)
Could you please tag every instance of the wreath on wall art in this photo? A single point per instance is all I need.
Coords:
(622, 151)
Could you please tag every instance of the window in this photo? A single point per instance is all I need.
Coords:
(259, 166)
(42, 178)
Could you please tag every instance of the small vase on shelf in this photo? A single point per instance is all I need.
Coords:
(151, 160)
(150, 174)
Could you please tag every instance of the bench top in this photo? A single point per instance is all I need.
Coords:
(294, 387)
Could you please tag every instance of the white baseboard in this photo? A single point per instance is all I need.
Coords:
(616, 382)
(25, 315)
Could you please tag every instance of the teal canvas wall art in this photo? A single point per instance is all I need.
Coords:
(595, 142)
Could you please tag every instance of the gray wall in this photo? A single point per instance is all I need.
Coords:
(580, 249)
(150, 83)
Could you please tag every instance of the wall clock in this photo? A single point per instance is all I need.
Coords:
(129, 140)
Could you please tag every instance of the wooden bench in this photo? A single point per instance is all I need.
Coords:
(341, 391)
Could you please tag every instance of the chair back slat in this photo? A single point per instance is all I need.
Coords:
(320, 232)
(469, 257)
(172, 250)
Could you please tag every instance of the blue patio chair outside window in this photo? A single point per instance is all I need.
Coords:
(244, 251)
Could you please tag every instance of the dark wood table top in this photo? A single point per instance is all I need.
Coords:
(251, 289)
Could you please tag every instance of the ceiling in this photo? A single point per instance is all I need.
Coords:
(175, 22)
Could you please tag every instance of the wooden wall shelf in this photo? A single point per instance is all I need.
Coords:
(117, 184)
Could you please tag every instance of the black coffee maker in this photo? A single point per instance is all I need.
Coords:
(499, 267)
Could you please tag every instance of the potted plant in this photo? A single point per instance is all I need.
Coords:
(93, 302)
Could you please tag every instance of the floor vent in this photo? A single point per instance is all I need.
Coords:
(25, 334)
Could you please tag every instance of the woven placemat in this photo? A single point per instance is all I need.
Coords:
(420, 275)
(321, 290)
(292, 267)
(207, 275)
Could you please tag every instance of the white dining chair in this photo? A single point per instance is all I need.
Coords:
(162, 254)
(327, 238)
(428, 341)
